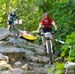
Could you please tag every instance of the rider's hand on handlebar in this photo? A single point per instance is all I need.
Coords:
(38, 32)
(55, 31)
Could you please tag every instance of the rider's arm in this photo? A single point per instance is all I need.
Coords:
(9, 17)
(17, 19)
(39, 27)
(55, 26)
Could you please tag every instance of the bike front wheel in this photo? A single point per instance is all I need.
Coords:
(49, 50)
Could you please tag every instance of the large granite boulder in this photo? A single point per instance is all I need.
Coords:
(15, 71)
(4, 62)
(4, 33)
(3, 57)
(13, 53)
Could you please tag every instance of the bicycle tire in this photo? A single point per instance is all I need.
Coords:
(48, 46)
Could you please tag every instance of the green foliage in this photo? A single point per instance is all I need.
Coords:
(70, 40)
(59, 66)
(69, 59)
(57, 69)
(60, 10)
(5, 7)
(28, 12)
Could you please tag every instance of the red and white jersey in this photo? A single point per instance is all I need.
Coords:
(47, 24)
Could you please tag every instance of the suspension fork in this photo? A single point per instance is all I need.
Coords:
(49, 46)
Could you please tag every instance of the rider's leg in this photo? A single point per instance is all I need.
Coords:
(43, 37)
(43, 40)
(44, 43)
(9, 27)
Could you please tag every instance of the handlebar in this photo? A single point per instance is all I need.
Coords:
(41, 33)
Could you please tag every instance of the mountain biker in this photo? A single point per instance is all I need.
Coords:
(45, 26)
(11, 17)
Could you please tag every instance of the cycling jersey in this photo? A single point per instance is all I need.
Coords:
(47, 24)
(11, 18)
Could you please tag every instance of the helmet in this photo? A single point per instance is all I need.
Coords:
(13, 11)
(45, 16)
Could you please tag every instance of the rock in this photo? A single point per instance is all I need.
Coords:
(3, 57)
(27, 67)
(39, 51)
(4, 62)
(39, 59)
(32, 58)
(15, 42)
(45, 59)
(12, 34)
(2, 42)
(18, 41)
(3, 68)
(42, 59)
(4, 33)
(49, 66)
(15, 71)
(29, 52)
(34, 64)
(18, 64)
(14, 53)
(40, 70)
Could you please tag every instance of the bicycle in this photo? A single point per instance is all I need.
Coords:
(49, 45)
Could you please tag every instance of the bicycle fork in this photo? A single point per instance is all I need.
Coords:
(49, 46)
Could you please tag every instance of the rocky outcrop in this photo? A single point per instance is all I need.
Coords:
(4, 63)
(13, 52)
(4, 33)
(24, 57)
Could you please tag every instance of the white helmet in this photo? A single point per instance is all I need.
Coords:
(14, 11)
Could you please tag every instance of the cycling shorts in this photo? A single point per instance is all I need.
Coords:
(46, 30)
(10, 22)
